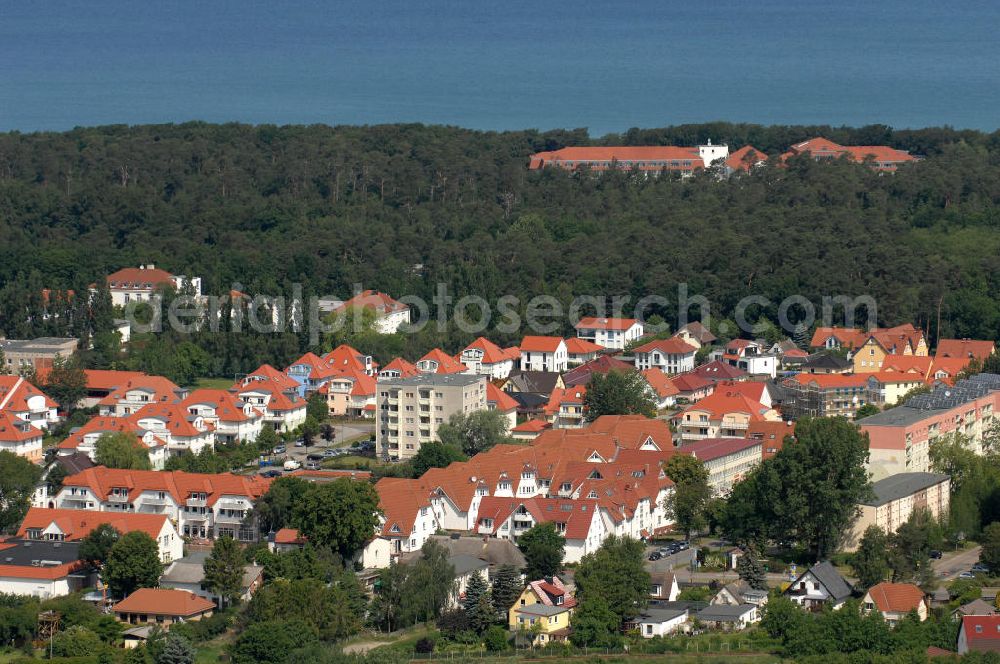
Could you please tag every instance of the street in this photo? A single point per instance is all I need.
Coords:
(952, 564)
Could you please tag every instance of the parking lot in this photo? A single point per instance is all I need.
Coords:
(322, 449)
(667, 562)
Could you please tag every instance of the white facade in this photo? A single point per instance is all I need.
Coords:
(473, 359)
(557, 360)
(614, 339)
(652, 624)
(711, 153)
(391, 322)
(668, 363)
(758, 365)
(42, 588)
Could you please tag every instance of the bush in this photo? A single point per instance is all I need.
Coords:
(495, 639)
(424, 645)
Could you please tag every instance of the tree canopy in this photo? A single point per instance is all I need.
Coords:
(341, 514)
(18, 478)
(618, 393)
(121, 449)
(133, 562)
(543, 548)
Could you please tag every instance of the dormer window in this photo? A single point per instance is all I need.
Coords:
(559, 599)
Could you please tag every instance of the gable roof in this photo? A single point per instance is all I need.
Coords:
(745, 158)
(15, 430)
(671, 346)
(77, 524)
(624, 154)
(578, 346)
(15, 392)
(830, 578)
(160, 389)
(135, 278)
(660, 383)
(699, 332)
(265, 373)
(370, 299)
(500, 399)
(725, 401)
(605, 363)
(401, 500)
(405, 368)
(537, 344)
(717, 370)
(896, 597)
(178, 483)
(690, 382)
(982, 633)
(442, 362)
(493, 354)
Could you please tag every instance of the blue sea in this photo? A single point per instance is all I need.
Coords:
(515, 64)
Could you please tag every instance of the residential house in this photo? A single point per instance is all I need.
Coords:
(181, 430)
(565, 408)
(899, 438)
(188, 574)
(483, 356)
(725, 414)
(977, 607)
(696, 334)
(744, 159)
(818, 586)
(771, 435)
(729, 617)
(133, 284)
(529, 429)
(692, 388)
(540, 383)
(611, 333)
(661, 388)
(965, 348)
(718, 371)
(882, 342)
(894, 601)
(578, 521)
(656, 621)
(22, 400)
(201, 505)
(739, 592)
(896, 497)
(19, 437)
(878, 157)
(25, 355)
(497, 399)
(647, 159)
(663, 586)
(824, 395)
(825, 362)
(282, 405)
(543, 354)
(351, 394)
(399, 368)
(40, 568)
(979, 634)
(727, 460)
(887, 388)
(410, 410)
(138, 392)
(751, 357)
(285, 540)
(671, 356)
(543, 612)
(162, 606)
(580, 351)
(580, 376)
(102, 382)
(232, 419)
(390, 314)
(409, 517)
(436, 361)
(69, 525)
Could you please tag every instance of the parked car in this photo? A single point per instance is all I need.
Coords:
(681, 546)
(315, 456)
(655, 555)
(273, 472)
(966, 575)
(291, 464)
(980, 568)
(936, 555)
(280, 449)
(312, 465)
(300, 443)
(329, 453)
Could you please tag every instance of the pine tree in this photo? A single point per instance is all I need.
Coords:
(506, 589)
(224, 570)
(751, 570)
(477, 603)
(177, 650)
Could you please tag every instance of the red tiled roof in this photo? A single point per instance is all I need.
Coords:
(597, 323)
(370, 299)
(577, 515)
(831, 381)
(982, 633)
(164, 602)
(500, 399)
(725, 401)
(745, 158)
(822, 147)
(605, 363)
(162, 390)
(578, 346)
(15, 430)
(660, 383)
(136, 278)
(493, 354)
(401, 500)
(845, 336)
(622, 154)
(532, 426)
(77, 524)
(346, 359)
(717, 370)
(101, 424)
(178, 483)
(896, 597)
(673, 345)
(267, 373)
(966, 348)
(102, 379)
(535, 344)
(15, 392)
(442, 362)
(690, 382)
(708, 449)
(404, 367)
(289, 536)
(918, 364)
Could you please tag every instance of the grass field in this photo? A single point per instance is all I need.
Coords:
(213, 383)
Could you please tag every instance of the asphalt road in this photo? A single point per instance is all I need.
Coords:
(952, 564)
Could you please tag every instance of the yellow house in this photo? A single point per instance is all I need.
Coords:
(900, 340)
(543, 611)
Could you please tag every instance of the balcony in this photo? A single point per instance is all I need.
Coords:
(195, 502)
(230, 518)
(233, 505)
(118, 498)
(196, 516)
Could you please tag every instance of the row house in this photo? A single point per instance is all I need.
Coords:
(175, 425)
(19, 437)
(22, 400)
(691, 387)
(610, 333)
(55, 525)
(231, 419)
(604, 364)
(725, 414)
(409, 517)
(696, 334)
(544, 354)
(565, 408)
(578, 521)
(138, 284)
(84, 440)
(137, 392)
(824, 395)
(661, 388)
(483, 356)
(719, 371)
(671, 356)
(900, 437)
(646, 159)
(390, 314)
(310, 371)
(965, 348)
(886, 388)
(102, 382)
(199, 505)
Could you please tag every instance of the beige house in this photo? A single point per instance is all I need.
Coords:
(162, 606)
(35, 354)
(410, 410)
(895, 600)
(896, 497)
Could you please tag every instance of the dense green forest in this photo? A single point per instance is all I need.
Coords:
(401, 208)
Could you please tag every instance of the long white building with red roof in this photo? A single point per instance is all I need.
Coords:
(138, 284)
(651, 159)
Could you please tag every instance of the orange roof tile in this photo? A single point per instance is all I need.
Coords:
(967, 348)
(15, 430)
(896, 597)
(672, 346)
(571, 157)
(578, 346)
(599, 323)
(536, 344)
(745, 158)
(77, 524)
(164, 602)
(660, 383)
(178, 483)
(438, 361)
(139, 279)
(370, 299)
(15, 392)
(404, 368)
(493, 354)
(500, 399)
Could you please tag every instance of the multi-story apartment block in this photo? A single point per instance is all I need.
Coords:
(824, 395)
(727, 460)
(896, 498)
(900, 437)
(544, 354)
(137, 392)
(410, 410)
(726, 413)
(36, 355)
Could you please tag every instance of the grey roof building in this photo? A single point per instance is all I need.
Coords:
(899, 486)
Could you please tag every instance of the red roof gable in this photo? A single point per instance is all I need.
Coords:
(164, 602)
(672, 346)
(896, 597)
(535, 344)
(598, 323)
(966, 348)
(745, 158)
(599, 157)
(370, 299)
(77, 524)
(135, 278)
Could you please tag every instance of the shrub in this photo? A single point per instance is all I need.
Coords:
(424, 645)
(495, 639)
